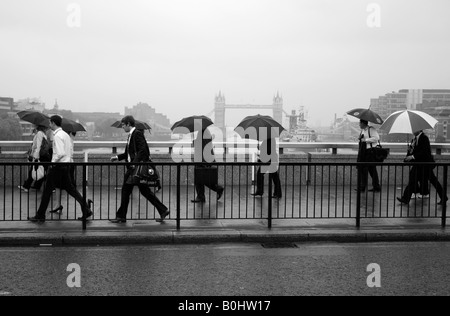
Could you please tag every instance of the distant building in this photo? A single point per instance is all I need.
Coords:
(33, 104)
(159, 123)
(6, 105)
(342, 130)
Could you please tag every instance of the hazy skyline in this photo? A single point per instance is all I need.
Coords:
(176, 55)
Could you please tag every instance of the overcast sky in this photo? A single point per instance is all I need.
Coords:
(176, 55)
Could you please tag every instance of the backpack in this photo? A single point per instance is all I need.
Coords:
(45, 153)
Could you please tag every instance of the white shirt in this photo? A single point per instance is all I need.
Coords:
(128, 142)
(373, 139)
(61, 146)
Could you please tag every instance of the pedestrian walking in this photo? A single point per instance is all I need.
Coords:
(72, 174)
(34, 156)
(136, 151)
(268, 147)
(420, 176)
(205, 175)
(58, 174)
(368, 139)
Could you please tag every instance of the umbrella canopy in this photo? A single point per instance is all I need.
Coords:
(70, 126)
(34, 117)
(139, 125)
(193, 124)
(408, 122)
(263, 127)
(366, 115)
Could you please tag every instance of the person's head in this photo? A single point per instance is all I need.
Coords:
(128, 122)
(363, 124)
(73, 134)
(40, 128)
(55, 122)
(418, 133)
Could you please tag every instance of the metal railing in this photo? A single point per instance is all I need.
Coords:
(310, 191)
(333, 147)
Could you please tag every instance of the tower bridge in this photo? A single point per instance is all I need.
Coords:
(220, 108)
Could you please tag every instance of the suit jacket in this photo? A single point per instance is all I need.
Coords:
(138, 148)
(422, 150)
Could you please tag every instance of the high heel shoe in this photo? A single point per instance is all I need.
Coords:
(57, 210)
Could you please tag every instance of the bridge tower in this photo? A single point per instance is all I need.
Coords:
(219, 110)
(278, 108)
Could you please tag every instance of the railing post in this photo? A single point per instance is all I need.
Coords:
(358, 198)
(270, 201)
(444, 198)
(178, 197)
(84, 194)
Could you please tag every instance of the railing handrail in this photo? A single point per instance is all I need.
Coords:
(251, 144)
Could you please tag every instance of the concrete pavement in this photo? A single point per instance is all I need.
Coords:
(100, 232)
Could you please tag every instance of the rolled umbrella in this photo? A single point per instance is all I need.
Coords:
(366, 115)
(192, 124)
(259, 127)
(71, 126)
(408, 122)
(139, 125)
(34, 117)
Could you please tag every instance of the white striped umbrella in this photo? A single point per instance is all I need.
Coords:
(408, 122)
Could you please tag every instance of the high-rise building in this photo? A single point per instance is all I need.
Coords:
(6, 104)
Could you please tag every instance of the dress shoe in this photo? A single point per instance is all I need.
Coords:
(163, 216)
(57, 210)
(36, 219)
(402, 201)
(220, 193)
(89, 214)
(444, 201)
(276, 196)
(362, 190)
(375, 190)
(197, 200)
(118, 220)
(257, 194)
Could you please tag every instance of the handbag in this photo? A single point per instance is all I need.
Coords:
(144, 174)
(379, 154)
(37, 174)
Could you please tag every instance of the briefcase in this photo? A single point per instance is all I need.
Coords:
(206, 176)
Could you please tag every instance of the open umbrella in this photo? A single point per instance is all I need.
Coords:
(192, 124)
(408, 122)
(34, 117)
(139, 125)
(366, 115)
(70, 126)
(259, 127)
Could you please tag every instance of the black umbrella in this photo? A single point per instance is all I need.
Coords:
(138, 124)
(193, 124)
(259, 127)
(34, 117)
(366, 115)
(70, 126)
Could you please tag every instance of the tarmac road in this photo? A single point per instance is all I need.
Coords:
(228, 270)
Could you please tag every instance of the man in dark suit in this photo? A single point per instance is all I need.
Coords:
(136, 151)
(421, 176)
(268, 154)
(205, 174)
